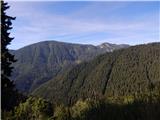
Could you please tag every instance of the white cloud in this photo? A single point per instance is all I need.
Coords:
(34, 24)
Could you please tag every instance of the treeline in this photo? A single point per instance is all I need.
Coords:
(146, 108)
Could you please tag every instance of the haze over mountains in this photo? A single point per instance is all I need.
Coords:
(43, 61)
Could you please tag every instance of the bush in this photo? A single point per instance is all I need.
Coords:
(33, 109)
(62, 113)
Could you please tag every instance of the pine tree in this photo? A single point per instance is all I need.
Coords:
(8, 91)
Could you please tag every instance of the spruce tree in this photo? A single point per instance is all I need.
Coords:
(8, 91)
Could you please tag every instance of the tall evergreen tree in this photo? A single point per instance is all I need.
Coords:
(8, 91)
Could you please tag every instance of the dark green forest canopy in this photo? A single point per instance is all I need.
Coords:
(9, 95)
(134, 71)
(40, 62)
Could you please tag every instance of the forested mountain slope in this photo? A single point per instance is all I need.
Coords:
(38, 63)
(133, 71)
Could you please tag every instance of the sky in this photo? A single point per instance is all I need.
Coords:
(84, 22)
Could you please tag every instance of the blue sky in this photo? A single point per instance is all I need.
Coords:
(85, 22)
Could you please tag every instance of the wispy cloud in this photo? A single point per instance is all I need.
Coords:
(35, 24)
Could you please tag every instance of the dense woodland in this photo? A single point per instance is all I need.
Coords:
(140, 102)
(130, 72)
(120, 85)
(50, 58)
(89, 109)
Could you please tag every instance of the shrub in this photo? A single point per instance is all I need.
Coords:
(33, 109)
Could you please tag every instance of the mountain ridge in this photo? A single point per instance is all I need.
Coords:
(48, 58)
(128, 72)
(61, 42)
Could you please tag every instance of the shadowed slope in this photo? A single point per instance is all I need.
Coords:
(117, 74)
(43, 61)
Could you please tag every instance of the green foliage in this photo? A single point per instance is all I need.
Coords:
(33, 109)
(62, 113)
(80, 109)
(88, 109)
(9, 95)
(103, 110)
(7, 115)
(122, 74)
(50, 58)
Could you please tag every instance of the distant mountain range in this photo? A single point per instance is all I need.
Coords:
(43, 61)
(134, 71)
(111, 47)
